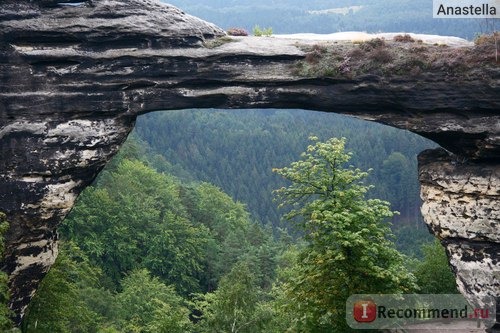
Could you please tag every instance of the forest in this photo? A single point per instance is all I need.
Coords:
(249, 220)
(182, 231)
(154, 246)
(327, 16)
(144, 251)
(220, 146)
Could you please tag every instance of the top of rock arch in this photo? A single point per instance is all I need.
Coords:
(130, 57)
(115, 23)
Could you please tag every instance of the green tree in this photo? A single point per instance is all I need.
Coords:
(5, 322)
(349, 249)
(233, 235)
(236, 150)
(58, 305)
(147, 305)
(286, 318)
(135, 219)
(259, 32)
(237, 306)
(400, 180)
(176, 253)
(433, 273)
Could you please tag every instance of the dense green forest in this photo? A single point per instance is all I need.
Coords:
(143, 251)
(236, 150)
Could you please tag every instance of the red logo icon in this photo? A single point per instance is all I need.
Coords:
(365, 311)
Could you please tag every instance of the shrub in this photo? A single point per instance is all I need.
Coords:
(313, 57)
(433, 273)
(381, 56)
(413, 65)
(404, 38)
(372, 44)
(345, 66)
(257, 31)
(319, 48)
(237, 32)
(487, 38)
(356, 54)
(315, 54)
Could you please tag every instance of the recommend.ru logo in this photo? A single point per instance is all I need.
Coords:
(370, 311)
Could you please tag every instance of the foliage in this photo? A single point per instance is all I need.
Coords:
(489, 40)
(236, 306)
(433, 273)
(373, 44)
(348, 249)
(381, 56)
(70, 300)
(136, 219)
(288, 317)
(157, 240)
(399, 175)
(58, 305)
(409, 239)
(5, 322)
(145, 228)
(216, 42)
(406, 38)
(350, 60)
(259, 32)
(237, 32)
(237, 149)
(149, 306)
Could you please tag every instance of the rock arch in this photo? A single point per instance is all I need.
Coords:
(74, 78)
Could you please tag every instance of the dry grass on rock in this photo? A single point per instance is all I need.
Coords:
(345, 60)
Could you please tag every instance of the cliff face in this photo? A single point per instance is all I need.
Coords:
(461, 207)
(73, 79)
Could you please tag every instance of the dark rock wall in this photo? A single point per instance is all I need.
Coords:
(47, 164)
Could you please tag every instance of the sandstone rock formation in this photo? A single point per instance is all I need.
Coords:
(75, 75)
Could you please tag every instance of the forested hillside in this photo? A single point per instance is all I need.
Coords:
(137, 248)
(143, 251)
(236, 150)
(326, 16)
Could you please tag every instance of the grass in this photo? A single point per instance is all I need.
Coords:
(404, 38)
(490, 39)
(217, 42)
(259, 32)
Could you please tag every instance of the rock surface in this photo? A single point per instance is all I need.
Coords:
(74, 77)
(461, 207)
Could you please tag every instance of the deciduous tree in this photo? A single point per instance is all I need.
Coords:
(349, 249)
(433, 273)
